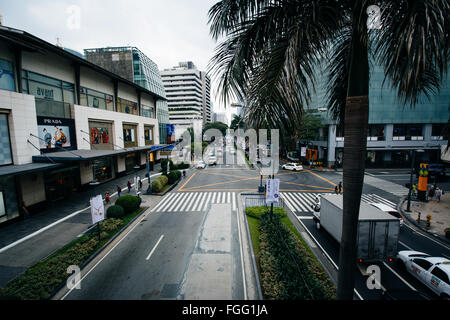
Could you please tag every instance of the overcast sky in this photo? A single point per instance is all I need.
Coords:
(167, 31)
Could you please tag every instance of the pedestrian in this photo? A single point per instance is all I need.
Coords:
(437, 195)
(184, 173)
(129, 186)
(431, 192)
(107, 197)
(119, 190)
(336, 190)
(140, 184)
(414, 190)
(340, 186)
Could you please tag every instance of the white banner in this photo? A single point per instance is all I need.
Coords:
(273, 190)
(97, 209)
(303, 152)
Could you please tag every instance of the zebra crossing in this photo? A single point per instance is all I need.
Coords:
(300, 202)
(194, 201)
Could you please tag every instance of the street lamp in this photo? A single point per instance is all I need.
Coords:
(408, 207)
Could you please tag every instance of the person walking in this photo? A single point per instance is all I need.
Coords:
(336, 190)
(340, 186)
(184, 173)
(107, 197)
(119, 190)
(129, 186)
(140, 184)
(437, 194)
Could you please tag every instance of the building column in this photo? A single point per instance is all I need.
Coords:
(427, 131)
(331, 157)
(388, 132)
(18, 68)
(77, 84)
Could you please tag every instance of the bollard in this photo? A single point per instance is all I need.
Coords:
(427, 226)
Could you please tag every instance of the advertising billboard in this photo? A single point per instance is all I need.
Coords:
(56, 133)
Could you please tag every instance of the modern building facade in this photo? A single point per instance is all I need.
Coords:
(132, 64)
(64, 123)
(188, 95)
(394, 129)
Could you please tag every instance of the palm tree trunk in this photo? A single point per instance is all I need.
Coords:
(355, 126)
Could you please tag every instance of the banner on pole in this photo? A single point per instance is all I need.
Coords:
(273, 191)
(97, 209)
(303, 152)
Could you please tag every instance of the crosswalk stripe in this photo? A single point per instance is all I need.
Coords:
(181, 201)
(383, 200)
(164, 200)
(188, 200)
(223, 197)
(233, 197)
(301, 201)
(192, 203)
(173, 203)
(199, 202)
(294, 201)
(291, 207)
(307, 201)
(207, 201)
(214, 197)
(228, 197)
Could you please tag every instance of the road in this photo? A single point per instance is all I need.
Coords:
(159, 257)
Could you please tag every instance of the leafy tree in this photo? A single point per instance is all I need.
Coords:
(237, 122)
(216, 125)
(271, 50)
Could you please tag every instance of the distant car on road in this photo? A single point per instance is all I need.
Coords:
(292, 166)
(200, 165)
(434, 272)
(212, 160)
(233, 151)
(388, 210)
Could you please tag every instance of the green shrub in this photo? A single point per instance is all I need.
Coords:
(129, 203)
(174, 176)
(164, 165)
(183, 165)
(156, 186)
(115, 212)
(163, 180)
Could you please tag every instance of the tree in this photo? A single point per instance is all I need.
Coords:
(222, 127)
(238, 122)
(270, 52)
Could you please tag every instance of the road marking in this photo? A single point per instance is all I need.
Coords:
(188, 201)
(425, 236)
(234, 201)
(187, 181)
(137, 224)
(162, 201)
(207, 201)
(305, 217)
(398, 276)
(324, 179)
(192, 202)
(154, 248)
(408, 247)
(200, 202)
(172, 203)
(181, 201)
(242, 257)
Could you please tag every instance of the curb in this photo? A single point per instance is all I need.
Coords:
(96, 253)
(414, 222)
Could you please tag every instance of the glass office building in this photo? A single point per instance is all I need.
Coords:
(394, 128)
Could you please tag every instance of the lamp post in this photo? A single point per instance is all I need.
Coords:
(408, 207)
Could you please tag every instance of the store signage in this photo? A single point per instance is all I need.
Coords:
(45, 93)
(56, 133)
(273, 191)
(97, 209)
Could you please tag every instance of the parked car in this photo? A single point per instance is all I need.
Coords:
(388, 210)
(200, 165)
(434, 272)
(292, 166)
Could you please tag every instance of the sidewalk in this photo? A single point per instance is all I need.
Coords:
(439, 211)
(26, 242)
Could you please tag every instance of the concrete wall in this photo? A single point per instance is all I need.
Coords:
(96, 81)
(49, 65)
(22, 122)
(127, 92)
(32, 188)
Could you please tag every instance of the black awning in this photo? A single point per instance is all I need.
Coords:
(88, 155)
(14, 170)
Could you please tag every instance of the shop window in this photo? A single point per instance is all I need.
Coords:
(7, 76)
(96, 99)
(130, 136)
(148, 135)
(437, 131)
(408, 132)
(127, 106)
(148, 111)
(375, 132)
(100, 135)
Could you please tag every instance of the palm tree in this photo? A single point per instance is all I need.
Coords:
(270, 50)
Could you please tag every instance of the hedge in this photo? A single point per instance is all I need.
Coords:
(159, 183)
(115, 211)
(173, 176)
(256, 212)
(129, 203)
(287, 273)
(173, 166)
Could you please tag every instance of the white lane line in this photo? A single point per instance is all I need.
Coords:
(228, 197)
(207, 201)
(163, 202)
(137, 224)
(188, 200)
(234, 201)
(398, 276)
(242, 257)
(425, 236)
(154, 248)
(305, 217)
(408, 247)
(180, 202)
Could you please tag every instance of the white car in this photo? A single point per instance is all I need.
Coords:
(232, 151)
(292, 166)
(212, 160)
(200, 165)
(434, 272)
(388, 210)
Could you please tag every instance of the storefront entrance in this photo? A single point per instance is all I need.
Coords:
(131, 160)
(61, 183)
(104, 170)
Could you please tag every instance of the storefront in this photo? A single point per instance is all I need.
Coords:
(104, 170)
(101, 135)
(130, 135)
(61, 183)
(131, 161)
(9, 207)
(56, 134)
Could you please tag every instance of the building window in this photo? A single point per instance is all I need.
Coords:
(100, 135)
(375, 132)
(96, 99)
(148, 111)
(7, 76)
(437, 131)
(407, 132)
(130, 135)
(53, 96)
(126, 106)
(5, 143)
(148, 135)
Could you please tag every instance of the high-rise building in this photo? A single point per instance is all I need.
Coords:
(220, 117)
(188, 94)
(130, 63)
